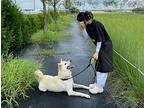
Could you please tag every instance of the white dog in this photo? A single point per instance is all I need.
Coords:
(56, 84)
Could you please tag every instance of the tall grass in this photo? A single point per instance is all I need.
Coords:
(127, 33)
(17, 78)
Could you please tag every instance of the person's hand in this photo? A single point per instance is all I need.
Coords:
(95, 56)
(82, 24)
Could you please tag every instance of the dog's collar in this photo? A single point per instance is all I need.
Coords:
(65, 78)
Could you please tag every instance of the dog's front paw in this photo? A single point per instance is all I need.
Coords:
(87, 96)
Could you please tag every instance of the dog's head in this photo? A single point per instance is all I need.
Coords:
(65, 65)
(38, 75)
(64, 68)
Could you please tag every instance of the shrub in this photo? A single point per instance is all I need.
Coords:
(10, 24)
(74, 10)
(17, 27)
(138, 10)
(35, 22)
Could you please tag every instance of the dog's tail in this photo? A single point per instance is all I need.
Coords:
(39, 75)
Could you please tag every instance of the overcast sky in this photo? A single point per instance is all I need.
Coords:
(29, 4)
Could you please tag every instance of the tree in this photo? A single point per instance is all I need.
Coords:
(53, 3)
(135, 3)
(110, 3)
(67, 4)
(45, 16)
(92, 2)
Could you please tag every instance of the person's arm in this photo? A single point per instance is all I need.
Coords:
(96, 54)
(84, 32)
(98, 46)
(99, 41)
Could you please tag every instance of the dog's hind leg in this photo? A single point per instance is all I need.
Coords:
(41, 88)
(74, 93)
(80, 86)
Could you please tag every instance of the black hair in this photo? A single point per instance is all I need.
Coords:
(80, 16)
(88, 15)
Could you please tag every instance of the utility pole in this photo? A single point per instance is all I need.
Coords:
(34, 5)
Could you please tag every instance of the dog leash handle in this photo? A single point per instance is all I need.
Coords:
(92, 60)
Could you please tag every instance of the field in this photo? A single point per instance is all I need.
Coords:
(127, 33)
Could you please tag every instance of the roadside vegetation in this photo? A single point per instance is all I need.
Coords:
(126, 31)
(17, 78)
(138, 10)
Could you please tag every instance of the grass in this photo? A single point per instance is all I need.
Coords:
(44, 38)
(17, 79)
(55, 31)
(126, 31)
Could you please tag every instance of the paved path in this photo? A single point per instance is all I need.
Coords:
(79, 53)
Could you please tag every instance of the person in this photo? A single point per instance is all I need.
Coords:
(103, 53)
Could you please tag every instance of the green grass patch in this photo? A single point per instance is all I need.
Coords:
(126, 31)
(17, 79)
(49, 37)
(44, 37)
(55, 32)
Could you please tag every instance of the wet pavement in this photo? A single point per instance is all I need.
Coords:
(79, 52)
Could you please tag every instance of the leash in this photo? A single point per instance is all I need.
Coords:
(91, 61)
(94, 70)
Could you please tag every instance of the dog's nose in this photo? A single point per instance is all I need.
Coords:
(70, 60)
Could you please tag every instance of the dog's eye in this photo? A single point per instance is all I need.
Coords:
(65, 63)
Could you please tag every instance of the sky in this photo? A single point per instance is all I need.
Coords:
(29, 4)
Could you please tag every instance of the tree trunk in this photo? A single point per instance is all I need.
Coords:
(55, 11)
(45, 19)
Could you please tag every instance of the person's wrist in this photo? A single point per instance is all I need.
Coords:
(95, 55)
(97, 52)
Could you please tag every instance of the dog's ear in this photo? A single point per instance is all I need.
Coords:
(61, 59)
(59, 66)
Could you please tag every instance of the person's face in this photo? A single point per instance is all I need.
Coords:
(88, 22)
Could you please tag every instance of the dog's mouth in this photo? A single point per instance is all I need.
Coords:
(70, 67)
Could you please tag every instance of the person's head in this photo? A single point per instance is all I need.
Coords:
(85, 18)
(80, 18)
(88, 16)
